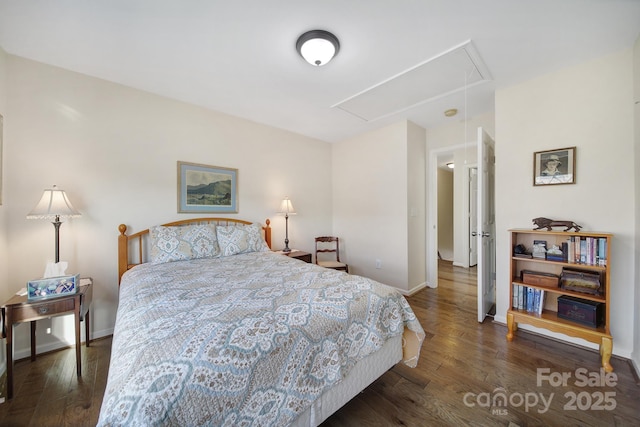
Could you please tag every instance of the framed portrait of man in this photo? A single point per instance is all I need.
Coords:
(554, 167)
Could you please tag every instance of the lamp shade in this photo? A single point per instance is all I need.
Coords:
(318, 47)
(54, 203)
(286, 207)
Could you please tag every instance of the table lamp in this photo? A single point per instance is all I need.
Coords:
(286, 208)
(54, 204)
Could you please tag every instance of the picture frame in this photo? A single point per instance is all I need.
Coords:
(554, 167)
(539, 249)
(207, 189)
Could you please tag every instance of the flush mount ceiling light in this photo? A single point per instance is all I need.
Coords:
(451, 112)
(451, 165)
(317, 47)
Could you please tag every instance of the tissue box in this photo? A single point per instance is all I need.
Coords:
(52, 287)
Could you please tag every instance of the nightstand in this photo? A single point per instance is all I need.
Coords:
(301, 255)
(19, 309)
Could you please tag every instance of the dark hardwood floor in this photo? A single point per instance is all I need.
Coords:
(464, 365)
(465, 369)
(47, 392)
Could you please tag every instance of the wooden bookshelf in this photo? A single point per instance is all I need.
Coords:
(548, 318)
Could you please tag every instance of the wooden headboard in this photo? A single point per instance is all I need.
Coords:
(138, 242)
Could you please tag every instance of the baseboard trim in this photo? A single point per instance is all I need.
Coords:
(635, 370)
(24, 353)
(413, 290)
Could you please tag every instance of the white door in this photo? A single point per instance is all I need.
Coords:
(473, 216)
(486, 225)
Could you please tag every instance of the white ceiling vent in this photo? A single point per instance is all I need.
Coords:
(442, 75)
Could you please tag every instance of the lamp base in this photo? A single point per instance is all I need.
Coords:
(286, 236)
(56, 225)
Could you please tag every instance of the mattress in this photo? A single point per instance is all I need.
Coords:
(365, 372)
(249, 339)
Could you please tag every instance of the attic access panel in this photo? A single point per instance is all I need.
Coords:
(442, 75)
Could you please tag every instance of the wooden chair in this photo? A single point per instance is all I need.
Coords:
(330, 244)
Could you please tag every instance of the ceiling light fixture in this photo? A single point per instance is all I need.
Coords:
(317, 47)
(450, 165)
(451, 112)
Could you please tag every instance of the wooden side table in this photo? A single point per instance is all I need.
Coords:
(19, 309)
(301, 255)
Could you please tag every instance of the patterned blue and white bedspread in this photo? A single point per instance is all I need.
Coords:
(248, 339)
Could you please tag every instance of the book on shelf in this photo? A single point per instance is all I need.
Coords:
(565, 251)
(584, 250)
(536, 300)
(516, 296)
(539, 301)
(571, 250)
(602, 251)
(530, 299)
(521, 297)
(527, 298)
(592, 250)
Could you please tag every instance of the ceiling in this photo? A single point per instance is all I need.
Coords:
(239, 57)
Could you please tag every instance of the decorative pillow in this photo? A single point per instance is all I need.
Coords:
(240, 239)
(178, 243)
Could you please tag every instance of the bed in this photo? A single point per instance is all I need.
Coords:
(214, 328)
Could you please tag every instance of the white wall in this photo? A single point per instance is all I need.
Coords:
(445, 214)
(114, 150)
(460, 131)
(589, 106)
(416, 205)
(370, 202)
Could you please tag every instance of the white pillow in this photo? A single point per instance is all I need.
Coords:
(240, 239)
(176, 243)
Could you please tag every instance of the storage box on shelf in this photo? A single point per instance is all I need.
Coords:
(581, 251)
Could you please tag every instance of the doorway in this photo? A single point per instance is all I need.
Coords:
(484, 159)
(463, 157)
